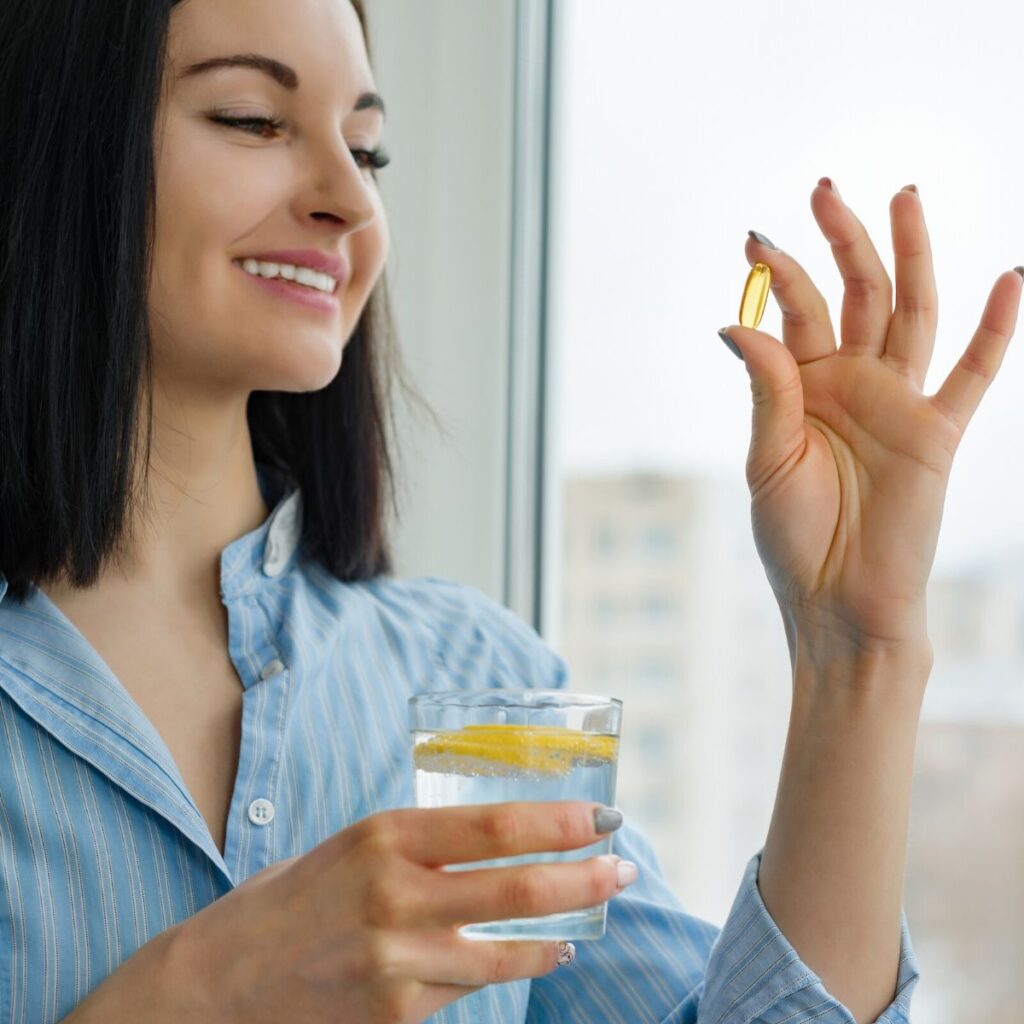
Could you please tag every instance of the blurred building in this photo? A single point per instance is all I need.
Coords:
(665, 604)
(965, 883)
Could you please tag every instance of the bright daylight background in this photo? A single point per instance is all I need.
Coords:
(677, 127)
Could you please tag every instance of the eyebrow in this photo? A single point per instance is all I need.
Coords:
(283, 74)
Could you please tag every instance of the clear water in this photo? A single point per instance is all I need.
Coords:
(459, 782)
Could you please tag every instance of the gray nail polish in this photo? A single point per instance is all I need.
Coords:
(758, 237)
(1020, 270)
(733, 347)
(566, 953)
(607, 819)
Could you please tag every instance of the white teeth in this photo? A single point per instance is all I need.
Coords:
(290, 272)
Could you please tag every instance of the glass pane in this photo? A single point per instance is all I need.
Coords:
(677, 129)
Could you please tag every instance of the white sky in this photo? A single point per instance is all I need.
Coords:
(685, 124)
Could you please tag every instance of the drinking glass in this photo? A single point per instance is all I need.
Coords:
(497, 745)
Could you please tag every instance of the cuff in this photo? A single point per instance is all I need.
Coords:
(754, 974)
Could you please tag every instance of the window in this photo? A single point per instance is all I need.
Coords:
(669, 144)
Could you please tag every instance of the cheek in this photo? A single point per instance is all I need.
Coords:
(368, 251)
(199, 209)
(203, 205)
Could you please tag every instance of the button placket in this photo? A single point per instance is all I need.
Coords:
(250, 846)
(261, 810)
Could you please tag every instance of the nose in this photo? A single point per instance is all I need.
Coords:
(337, 186)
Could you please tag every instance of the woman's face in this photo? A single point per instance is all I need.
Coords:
(225, 194)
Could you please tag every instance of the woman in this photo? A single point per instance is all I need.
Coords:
(179, 846)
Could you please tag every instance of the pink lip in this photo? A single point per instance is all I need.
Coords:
(298, 293)
(327, 262)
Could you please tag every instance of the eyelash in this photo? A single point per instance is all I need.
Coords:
(378, 157)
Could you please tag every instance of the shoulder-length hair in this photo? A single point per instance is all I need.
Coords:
(79, 87)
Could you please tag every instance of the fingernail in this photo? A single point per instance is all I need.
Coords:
(732, 346)
(1020, 270)
(758, 237)
(607, 819)
(628, 873)
(829, 183)
(910, 188)
(566, 953)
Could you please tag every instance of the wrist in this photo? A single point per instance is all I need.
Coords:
(182, 973)
(827, 655)
(868, 695)
(148, 986)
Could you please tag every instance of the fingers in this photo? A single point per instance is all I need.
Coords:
(806, 325)
(453, 835)
(962, 391)
(867, 324)
(448, 958)
(867, 290)
(528, 890)
(911, 334)
(777, 434)
(434, 997)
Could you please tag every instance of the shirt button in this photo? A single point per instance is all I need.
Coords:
(272, 668)
(261, 812)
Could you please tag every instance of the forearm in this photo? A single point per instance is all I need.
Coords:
(150, 987)
(833, 864)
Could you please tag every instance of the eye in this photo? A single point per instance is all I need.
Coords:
(375, 158)
(252, 125)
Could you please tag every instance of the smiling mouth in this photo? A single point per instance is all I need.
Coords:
(305, 278)
(296, 294)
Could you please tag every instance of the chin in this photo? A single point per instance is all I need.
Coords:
(311, 375)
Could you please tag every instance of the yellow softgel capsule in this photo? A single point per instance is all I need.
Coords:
(499, 749)
(755, 295)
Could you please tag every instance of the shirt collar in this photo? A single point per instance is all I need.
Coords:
(265, 552)
(249, 562)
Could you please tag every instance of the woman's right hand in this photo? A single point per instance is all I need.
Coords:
(364, 927)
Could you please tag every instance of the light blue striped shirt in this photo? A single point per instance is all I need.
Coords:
(102, 847)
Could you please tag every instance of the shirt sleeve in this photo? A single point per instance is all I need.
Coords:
(657, 964)
(754, 974)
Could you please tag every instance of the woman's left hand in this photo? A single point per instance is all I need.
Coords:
(849, 461)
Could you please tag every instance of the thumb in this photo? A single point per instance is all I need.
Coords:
(778, 399)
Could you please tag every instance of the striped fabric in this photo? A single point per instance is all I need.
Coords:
(102, 846)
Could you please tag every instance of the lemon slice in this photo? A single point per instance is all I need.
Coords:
(495, 749)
